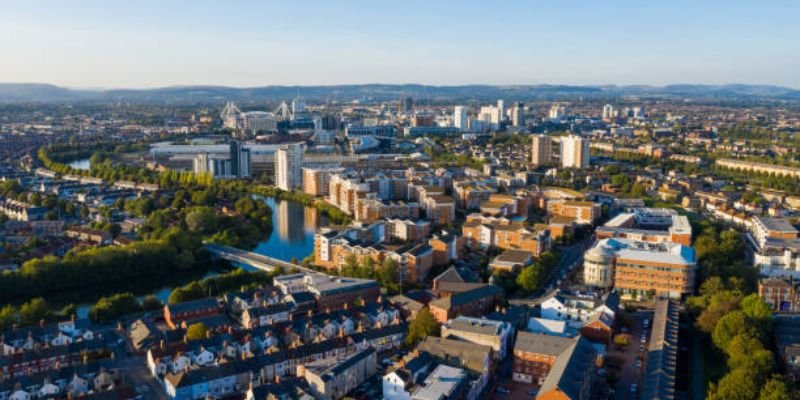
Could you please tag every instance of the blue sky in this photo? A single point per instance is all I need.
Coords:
(161, 43)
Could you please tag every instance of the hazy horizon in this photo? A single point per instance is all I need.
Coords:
(149, 44)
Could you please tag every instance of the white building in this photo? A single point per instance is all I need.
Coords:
(460, 119)
(518, 115)
(608, 112)
(557, 112)
(289, 166)
(574, 152)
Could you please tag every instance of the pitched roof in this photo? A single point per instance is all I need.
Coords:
(541, 343)
(457, 299)
(456, 353)
(569, 373)
(449, 275)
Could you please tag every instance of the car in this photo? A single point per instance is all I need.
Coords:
(503, 390)
(641, 347)
(646, 323)
(643, 339)
(638, 363)
(533, 392)
(633, 388)
(387, 362)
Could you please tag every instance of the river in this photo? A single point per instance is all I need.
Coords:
(292, 236)
(83, 164)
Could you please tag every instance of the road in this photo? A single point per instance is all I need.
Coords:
(630, 372)
(571, 257)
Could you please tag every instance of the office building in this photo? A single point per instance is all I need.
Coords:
(608, 112)
(501, 110)
(557, 112)
(518, 115)
(640, 268)
(541, 150)
(289, 166)
(240, 160)
(574, 152)
(460, 119)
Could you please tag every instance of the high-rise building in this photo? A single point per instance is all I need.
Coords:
(289, 166)
(518, 115)
(240, 160)
(638, 112)
(460, 120)
(557, 112)
(541, 150)
(407, 106)
(574, 152)
(298, 105)
(489, 116)
(608, 112)
(217, 166)
(501, 110)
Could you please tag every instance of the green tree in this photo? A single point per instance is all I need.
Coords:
(747, 352)
(776, 388)
(718, 305)
(196, 331)
(730, 325)
(757, 310)
(530, 278)
(201, 220)
(739, 384)
(422, 326)
(8, 316)
(34, 311)
(151, 303)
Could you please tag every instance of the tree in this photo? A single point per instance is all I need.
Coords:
(201, 220)
(196, 331)
(757, 310)
(34, 311)
(732, 324)
(422, 326)
(747, 352)
(387, 276)
(777, 389)
(151, 303)
(8, 316)
(718, 305)
(192, 291)
(530, 278)
(739, 384)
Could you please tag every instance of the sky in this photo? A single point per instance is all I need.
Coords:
(144, 43)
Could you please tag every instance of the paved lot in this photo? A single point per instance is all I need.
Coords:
(629, 373)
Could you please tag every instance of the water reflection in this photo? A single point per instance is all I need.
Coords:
(81, 164)
(293, 230)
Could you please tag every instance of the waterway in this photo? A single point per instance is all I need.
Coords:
(83, 164)
(292, 237)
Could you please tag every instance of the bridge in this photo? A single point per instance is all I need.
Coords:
(255, 260)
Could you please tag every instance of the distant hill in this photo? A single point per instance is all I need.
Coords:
(35, 92)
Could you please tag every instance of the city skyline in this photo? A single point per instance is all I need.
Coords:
(96, 45)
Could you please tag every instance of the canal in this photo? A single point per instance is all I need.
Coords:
(292, 237)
